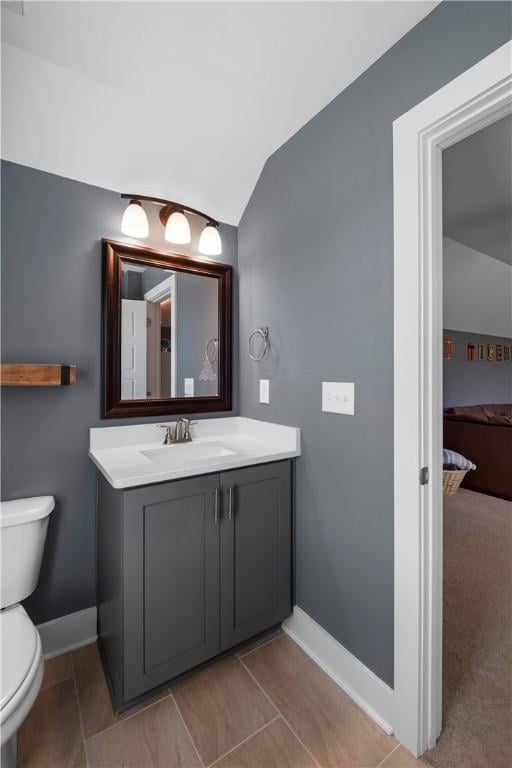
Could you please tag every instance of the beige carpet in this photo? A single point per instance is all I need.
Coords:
(477, 642)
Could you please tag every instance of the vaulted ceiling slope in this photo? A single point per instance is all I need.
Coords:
(182, 100)
(477, 190)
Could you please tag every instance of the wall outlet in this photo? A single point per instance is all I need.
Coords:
(264, 391)
(189, 387)
(338, 397)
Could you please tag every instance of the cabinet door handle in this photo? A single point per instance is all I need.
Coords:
(216, 506)
(230, 507)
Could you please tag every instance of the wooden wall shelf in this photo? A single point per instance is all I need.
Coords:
(28, 375)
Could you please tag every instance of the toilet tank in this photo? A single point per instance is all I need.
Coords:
(23, 526)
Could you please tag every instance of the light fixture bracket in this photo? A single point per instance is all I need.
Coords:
(166, 211)
(169, 206)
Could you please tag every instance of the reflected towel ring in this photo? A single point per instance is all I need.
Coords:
(264, 333)
(211, 358)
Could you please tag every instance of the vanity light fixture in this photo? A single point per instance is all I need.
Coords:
(172, 216)
(135, 221)
(177, 229)
(209, 242)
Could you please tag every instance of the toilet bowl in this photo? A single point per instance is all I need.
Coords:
(23, 526)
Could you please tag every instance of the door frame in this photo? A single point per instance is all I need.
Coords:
(165, 290)
(475, 99)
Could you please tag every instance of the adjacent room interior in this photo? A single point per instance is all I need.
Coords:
(477, 396)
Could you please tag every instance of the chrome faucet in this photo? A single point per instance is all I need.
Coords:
(180, 433)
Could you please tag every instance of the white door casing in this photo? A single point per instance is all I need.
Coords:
(133, 349)
(174, 336)
(475, 99)
(153, 353)
(167, 290)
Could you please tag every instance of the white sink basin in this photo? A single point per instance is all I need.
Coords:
(188, 453)
(133, 455)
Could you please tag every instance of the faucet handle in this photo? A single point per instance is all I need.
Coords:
(169, 435)
(188, 424)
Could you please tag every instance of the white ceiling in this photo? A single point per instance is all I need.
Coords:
(477, 191)
(182, 100)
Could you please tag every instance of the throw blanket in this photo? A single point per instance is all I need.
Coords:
(457, 460)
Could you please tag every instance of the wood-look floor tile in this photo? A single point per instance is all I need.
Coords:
(153, 738)
(273, 747)
(51, 736)
(221, 706)
(402, 758)
(93, 696)
(333, 728)
(251, 646)
(56, 670)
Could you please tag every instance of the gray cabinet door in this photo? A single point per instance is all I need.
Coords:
(171, 571)
(255, 550)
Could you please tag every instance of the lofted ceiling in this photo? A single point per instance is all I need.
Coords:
(477, 191)
(182, 100)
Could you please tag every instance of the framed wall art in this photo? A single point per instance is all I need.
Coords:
(449, 350)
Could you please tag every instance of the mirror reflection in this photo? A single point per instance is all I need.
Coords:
(169, 333)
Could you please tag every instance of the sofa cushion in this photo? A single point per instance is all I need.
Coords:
(501, 409)
(499, 418)
(467, 413)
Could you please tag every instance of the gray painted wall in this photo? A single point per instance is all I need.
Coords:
(51, 312)
(131, 285)
(477, 190)
(475, 382)
(197, 310)
(315, 249)
(149, 278)
(477, 291)
(136, 284)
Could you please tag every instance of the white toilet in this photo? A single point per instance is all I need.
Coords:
(23, 526)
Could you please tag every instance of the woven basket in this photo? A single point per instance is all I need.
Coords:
(452, 480)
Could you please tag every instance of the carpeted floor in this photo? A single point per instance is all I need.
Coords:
(477, 641)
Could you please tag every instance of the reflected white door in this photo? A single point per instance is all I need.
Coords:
(133, 349)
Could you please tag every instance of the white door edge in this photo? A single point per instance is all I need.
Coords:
(478, 97)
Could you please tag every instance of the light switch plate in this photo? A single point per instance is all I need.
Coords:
(338, 397)
(264, 391)
(189, 387)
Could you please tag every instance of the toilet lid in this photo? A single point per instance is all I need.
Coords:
(19, 644)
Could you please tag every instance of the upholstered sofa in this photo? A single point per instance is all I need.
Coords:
(483, 433)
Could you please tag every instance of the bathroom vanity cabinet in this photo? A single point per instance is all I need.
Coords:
(189, 569)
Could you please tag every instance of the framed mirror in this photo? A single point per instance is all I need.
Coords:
(167, 333)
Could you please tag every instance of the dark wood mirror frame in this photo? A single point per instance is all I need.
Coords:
(114, 253)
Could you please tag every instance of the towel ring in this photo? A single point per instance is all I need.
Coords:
(264, 333)
(211, 358)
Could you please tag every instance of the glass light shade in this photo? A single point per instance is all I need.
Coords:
(210, 243)
(135, 221)
(177, 229)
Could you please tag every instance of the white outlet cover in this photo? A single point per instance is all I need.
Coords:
(338, 397)
(264, 391)
(189, 387)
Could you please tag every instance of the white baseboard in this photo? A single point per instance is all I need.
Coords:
(373, 695)
(68, 632)
(359, 682)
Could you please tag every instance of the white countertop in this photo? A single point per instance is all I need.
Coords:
(135, 455)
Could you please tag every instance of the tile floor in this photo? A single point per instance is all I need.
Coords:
(266, 706)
